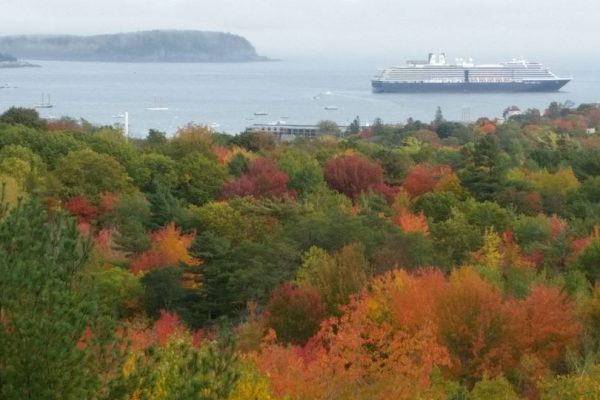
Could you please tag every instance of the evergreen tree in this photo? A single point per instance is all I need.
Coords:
(354, 127)
(484, 169)
(52, 338)
(439, 117)
(377, 128)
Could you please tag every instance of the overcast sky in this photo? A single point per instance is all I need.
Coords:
(488, 30)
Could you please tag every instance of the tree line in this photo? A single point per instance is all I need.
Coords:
(432, 260)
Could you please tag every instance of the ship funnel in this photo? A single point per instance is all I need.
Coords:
(431, 58)
(442, 59)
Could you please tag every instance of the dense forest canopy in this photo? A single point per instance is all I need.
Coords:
(420, 260)
(145, 46)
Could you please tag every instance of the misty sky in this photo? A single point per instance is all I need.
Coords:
(390, 30)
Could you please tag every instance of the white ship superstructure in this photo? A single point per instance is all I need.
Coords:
(436, 74)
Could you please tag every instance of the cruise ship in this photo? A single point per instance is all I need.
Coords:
(436, 75)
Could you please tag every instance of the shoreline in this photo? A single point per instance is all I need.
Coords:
(18, 64)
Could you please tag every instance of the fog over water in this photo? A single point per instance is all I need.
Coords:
(330, 48)
(387, 30)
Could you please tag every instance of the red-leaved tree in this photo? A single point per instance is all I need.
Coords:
(263, 179)
(80, 207)
(353, 175)
(422, 179)
(294, 313)
(142, 336)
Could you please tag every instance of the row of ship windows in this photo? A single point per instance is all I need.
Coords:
(470, 75)
(460, 71)
(288, 131)
(454, 71)
(482, 80)
(470, 69)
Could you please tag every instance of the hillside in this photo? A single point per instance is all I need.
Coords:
(7, 57)
(10, 61)
(147, 46)
(436, 260)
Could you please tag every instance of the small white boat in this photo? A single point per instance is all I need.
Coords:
(261, 113)
(157, 106)
(331, 108)
(44, 104)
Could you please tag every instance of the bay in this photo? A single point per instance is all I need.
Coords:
(227, 96)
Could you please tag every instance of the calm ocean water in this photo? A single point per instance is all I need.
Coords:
(227, 96)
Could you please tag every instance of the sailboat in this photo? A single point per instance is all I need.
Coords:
(45, 103)
(157, 107)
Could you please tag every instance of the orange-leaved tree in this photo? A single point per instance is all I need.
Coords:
(374, 350)
(169, 248)
(410, 222)
(548, 324)
(476, 327)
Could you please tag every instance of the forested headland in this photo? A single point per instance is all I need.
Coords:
(7, 57)
(10, 61)
(144, 46)
(423, 260)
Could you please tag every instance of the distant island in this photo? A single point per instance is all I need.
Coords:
(10, 61)
(145, 46)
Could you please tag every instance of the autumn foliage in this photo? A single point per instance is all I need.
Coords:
(166, 326)
(548, 324)
(419, 181)
(169, 248)
(475, 325)
(264, 179)
(487, 127)
(105, 245)
(422, 179)
(223, 155)
(294, 313)
(354, 175)
(108, 201)
(410, 222)
(388, 340)
(81, 207)
(442, 260)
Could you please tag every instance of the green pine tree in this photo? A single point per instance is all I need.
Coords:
(53, 340)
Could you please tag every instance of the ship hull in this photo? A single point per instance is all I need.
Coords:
(549, 85)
